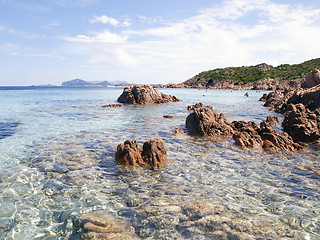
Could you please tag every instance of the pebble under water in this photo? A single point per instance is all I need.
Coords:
(57, 168)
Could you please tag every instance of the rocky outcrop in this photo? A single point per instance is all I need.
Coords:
(204, 121)
(301, 106)
(145, 94)
(311, 79)
(246, 135)
(272, 121)
(152, 155)
(302, 124)
(250, 135)
(112, 105)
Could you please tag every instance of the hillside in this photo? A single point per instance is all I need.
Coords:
(248, 75)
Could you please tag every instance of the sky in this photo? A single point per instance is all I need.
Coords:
(144, 41)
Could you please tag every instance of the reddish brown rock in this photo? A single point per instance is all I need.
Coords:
(204, 121)
(152, 155)
(250, 135)
(112, 105)
(192, 107)
(246, 134)
(302, 124)
(129, 154)
(145, 94)
(276, 141)
(311, 79)
(272, 121)
(178, 131)
(168, 116)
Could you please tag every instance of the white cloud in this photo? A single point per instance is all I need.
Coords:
(104, 37)
(234, 33)
(109, 20)
(105, 19)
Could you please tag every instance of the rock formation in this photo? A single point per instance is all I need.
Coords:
(301, 106)
(152, 155)
(311, 79)
(204, 121)
(145, 94)
(302, 124)
(246, 134)
(250, 135)
(112, 105)
(272, 121)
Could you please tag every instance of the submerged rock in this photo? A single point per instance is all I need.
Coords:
(153, 153)
(145, 94)
(204, 121)
(102, 225)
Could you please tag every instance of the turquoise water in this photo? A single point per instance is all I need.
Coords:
(57, 162)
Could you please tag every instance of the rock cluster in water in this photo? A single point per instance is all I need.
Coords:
(204, 121)
(152, 155)
(145, 94)
(301, 107)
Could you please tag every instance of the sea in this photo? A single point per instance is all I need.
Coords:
(57, 163)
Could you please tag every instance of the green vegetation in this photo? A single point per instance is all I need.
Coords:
(251, 74)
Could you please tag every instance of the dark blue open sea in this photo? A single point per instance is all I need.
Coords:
(57, 162)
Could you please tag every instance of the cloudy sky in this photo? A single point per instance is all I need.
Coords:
(144, 41)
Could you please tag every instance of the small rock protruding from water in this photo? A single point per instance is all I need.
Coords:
(204, 121)
(145, 94)
(152, 155)
(246, 94)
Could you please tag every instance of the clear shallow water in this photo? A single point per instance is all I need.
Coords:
(57, 162)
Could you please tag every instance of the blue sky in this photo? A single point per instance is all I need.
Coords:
(143, 41)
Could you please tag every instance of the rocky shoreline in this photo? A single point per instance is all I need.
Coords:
(267, 84)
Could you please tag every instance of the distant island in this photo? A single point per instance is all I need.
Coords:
(82, 83)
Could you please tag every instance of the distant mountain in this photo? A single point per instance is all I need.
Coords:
(81, 83)
(75, 83)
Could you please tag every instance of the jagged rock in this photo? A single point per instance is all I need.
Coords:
(145, 94)
(250, 135)
(112, 105)
(192, 107)
(153, 153)
(129, 154)
(204, 121)
(311, 79)
(276, 141)
(272, 121)
(302, 124)
(246, 134)
(264, 97)
(277, 100)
